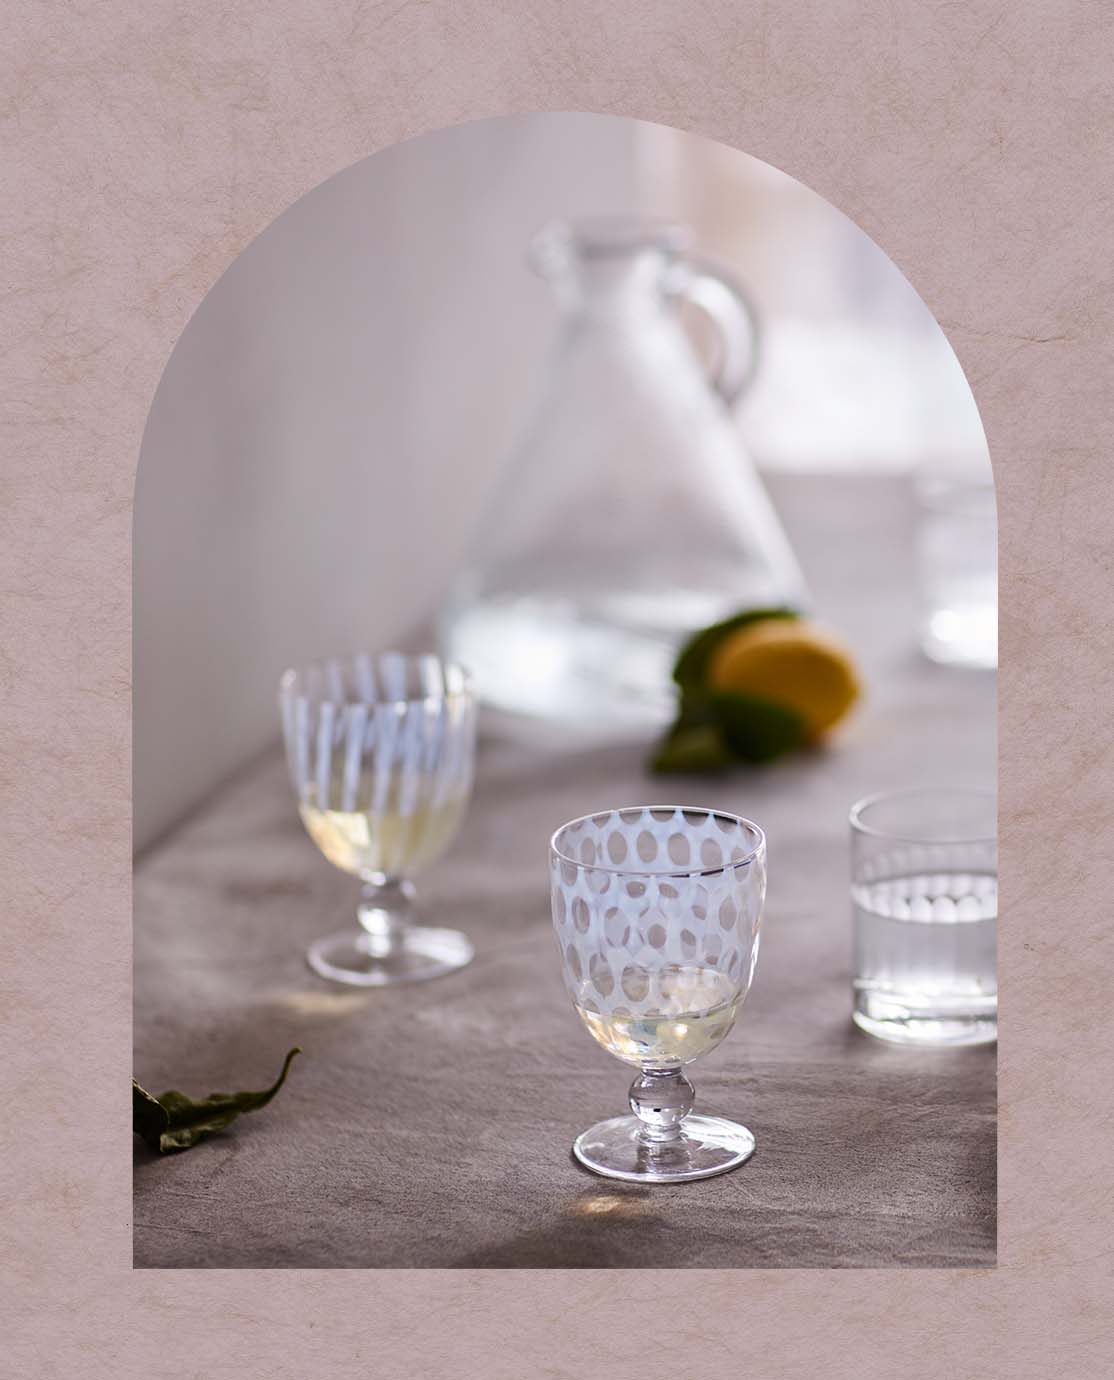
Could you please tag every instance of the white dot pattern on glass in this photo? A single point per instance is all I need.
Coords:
(639, 891)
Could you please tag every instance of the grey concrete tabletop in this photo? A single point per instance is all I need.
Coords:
(431, 1125)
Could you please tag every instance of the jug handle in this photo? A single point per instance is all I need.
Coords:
(720, 297)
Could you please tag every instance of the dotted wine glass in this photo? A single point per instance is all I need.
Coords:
(657, 911)
(380, 751)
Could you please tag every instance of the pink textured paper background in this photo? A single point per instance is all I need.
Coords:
(146, 145)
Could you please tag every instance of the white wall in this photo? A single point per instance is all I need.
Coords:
(327, 425)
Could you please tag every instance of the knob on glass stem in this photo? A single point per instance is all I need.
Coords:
(661, 1099)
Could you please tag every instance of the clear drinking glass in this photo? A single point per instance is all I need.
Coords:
(380, 751)
(957, 554)
(924, 897)
(657, 912)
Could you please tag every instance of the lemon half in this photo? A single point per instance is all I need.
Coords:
(792, 662)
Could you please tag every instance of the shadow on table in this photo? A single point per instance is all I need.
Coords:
(602, 1227)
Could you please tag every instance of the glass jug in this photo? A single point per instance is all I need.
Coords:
(628, 515)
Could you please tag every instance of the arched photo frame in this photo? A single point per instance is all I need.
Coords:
(150, 149)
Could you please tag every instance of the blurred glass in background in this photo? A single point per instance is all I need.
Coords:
(957, 547)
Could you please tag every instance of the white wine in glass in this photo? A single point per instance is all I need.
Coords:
(695, 1011)
(370, 843)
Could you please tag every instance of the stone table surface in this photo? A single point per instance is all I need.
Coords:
(431, 1125)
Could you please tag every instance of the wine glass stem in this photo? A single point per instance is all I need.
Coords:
(661, 1099)
(385, 913)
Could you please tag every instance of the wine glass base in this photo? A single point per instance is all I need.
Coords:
(419, 954)
(707, 1145)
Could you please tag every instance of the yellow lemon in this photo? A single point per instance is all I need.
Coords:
(792, 662)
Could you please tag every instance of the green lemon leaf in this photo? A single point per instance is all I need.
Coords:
(149, 1118)
(756, 730)
(694, 748)
(691, 669)
(175, 1121)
